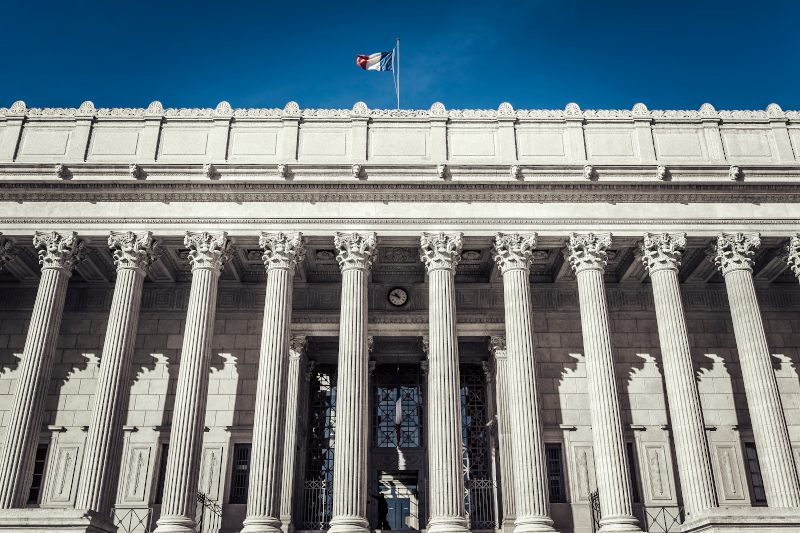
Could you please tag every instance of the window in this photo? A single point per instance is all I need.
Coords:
(162, 473)
(632, 470)
(240, 477)
(38, 474)
(755, 472)
(555, 473)
(390, 382)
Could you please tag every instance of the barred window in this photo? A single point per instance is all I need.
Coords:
(162, 473)
(38, 474)
(391, 380)
(632, 470)
(755, 472)
(555, 473)
(240, 478)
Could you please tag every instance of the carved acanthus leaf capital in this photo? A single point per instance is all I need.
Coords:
(662, 251)
(587, 251)
(497, 345)
(133, 250)
(281, 250)
(441, 251)
(208, 250)
(355, 250)
(297, 346)
(793, 249)
(735, 251)
(59, 250)
(513, 251)
(7, 251)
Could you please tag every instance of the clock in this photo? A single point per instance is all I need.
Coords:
(398, 297)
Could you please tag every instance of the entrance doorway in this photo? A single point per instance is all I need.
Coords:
(400, 491)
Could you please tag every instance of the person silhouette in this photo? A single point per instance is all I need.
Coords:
(383, 511)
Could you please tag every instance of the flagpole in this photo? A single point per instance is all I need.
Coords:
(398, 74)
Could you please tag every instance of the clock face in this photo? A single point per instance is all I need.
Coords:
(398, 297)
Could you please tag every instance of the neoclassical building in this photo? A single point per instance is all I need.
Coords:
(267, 320)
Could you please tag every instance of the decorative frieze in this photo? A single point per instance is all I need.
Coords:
(59, 250)
(662, 250)
(441, 251)
(282, 250)
(208, 250)
(133, 250)
(735, 251)
(587, 251)
(355, 250)
(514, 251)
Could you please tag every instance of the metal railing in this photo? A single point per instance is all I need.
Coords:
(663, 519)
(594, 508)
(135, 520)
(317, 505)
(480, 504)
(207, 507)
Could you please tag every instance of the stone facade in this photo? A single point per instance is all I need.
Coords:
(583, 306)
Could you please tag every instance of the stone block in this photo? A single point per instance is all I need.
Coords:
(236, 327)
(223, 342)
(147, 327)
(552, 340)
(169, 326)
(247, 341)
(155, 342)
(254, 327)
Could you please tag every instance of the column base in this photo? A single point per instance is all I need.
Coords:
(55, 520)
(175, 524)
(261, 524)
(287, 524)
(533, 524)
(744, 520)
(349, 524)
(448, 524)
(621, 524)
(507, 526)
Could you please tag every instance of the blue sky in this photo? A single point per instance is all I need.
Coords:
(533, 54)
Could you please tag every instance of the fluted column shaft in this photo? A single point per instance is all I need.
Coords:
(504, 432)
(295, 386)
(530, 477)
(100, 469)
(33, 380)
(263, 500)
(686, 413)
(763, 398)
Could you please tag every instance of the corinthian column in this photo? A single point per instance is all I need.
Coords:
(59, 253)
(588, 259)
(441, 253)
(208, 253)
(661, 257)
(282, 253)
(133, 254)
(356, 252)
(297, 356)
(497, 344)
(734, 257)
(513, 255)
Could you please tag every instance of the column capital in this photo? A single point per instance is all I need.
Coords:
(208, 249)
(59, 250)
(298, 344)
(133, 250)
(587, 251)
(513, 251)
(441, 251)
(7, 251)
(792, 249)
(497, 345)
(355, 250)
(662, 251)
(282, 250)
(735, 251)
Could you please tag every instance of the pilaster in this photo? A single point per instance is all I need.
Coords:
(497, 344)
(289, 132)
(291, 450)
(220, 133)
(147, 151)
(9, 141)
(438, 117)
(359, 123)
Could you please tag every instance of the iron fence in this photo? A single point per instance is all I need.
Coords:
(208, 510)
(663, 519)
(594, 508)
(317, 505)
(135, 520)
(480, 504)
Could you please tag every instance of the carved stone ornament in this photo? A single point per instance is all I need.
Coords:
(373, 364)
(588, 172)
(735, 251)
(59, 171)
(360, 108)
(775, 111)
(426, 341)
(438, 110)
(298, 345)
(441, 251)
(223, 109)
(793, 250)
(291, 109)
(497, 345)
(441, 171)
(640, 110)
(133, 250)
(707, 110)
(155, 109)
(572, 110)
(355, 250)
(356, 169)
(505, 110)
(370, 344)
(486, 366)
(734, 173)
(282, 171)
(587, 251)
(7, 251)
(282, 250)
(133, 171)
(514, 251)
(208, 170)
(515, 173)
(59, 250)
(208, 250)
(86, 109)
(18, 108)
(662, 251)
(424, 366)
(310, 370)
(661, 172)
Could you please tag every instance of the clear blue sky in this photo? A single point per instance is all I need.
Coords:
(466, 54)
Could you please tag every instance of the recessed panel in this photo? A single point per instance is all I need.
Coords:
(114, 142)
(609, 144)
(541, 144)
(253, 143)
(184, 142)
(391, 143)
(747, 144)
(45, 142)
(472, 144)
(333, 143)
(678, 145)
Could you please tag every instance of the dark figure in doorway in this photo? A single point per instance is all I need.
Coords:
(383, 510)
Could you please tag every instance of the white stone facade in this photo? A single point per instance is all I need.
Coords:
(625, 282)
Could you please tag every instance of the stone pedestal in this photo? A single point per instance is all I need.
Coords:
(297, 365)
(55, 521)
(97, 490)
(588, 259)
(497, 345)
(734, 255)
(743, 520)
(282, 253)
(531, 495)
(208, 253)
(441, 253)
(58, 254)
(356, 253)
(661, 256)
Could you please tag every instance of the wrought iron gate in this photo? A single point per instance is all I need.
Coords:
(317, 505)
(594, 508)
(480, 504)
(135, 520)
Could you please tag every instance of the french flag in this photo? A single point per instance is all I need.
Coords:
(398, 411)
(379, 61)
